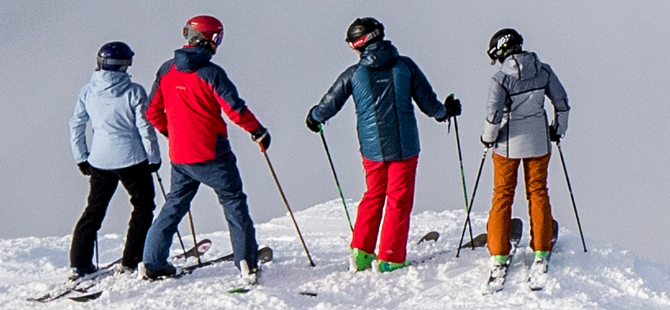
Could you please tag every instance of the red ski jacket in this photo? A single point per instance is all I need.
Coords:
(186, 102)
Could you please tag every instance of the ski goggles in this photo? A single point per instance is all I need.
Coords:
(217, 38)
(364, 39)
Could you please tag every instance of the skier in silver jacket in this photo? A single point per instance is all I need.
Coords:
(123, 148)
(515, 116)
(518, 131)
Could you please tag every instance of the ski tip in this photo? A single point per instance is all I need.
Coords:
(87, 297)
(240, 290)
(310, 294)
(431, 236)
(265, 255)
(42, 299)
(204, 245)
(479, 241)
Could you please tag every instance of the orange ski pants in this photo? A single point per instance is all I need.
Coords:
(505, 173)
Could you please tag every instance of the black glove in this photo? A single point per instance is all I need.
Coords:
(84, 167)
(552, 134)
(486, 144)
(312, 124)
(154, 167)
(453, 107)
(262, 136)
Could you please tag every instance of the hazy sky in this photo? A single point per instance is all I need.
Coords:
(612, 57)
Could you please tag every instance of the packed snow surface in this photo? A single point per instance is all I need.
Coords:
(605, 277)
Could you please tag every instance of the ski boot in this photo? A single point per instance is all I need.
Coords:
(248, 276)
(499, 266)
(78, 273)
(537, 275)
(384, 266)
(360, 260)
(167, 270)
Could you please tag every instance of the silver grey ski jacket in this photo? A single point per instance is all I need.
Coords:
(515, 116)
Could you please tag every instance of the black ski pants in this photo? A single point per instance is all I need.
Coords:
(138, 182)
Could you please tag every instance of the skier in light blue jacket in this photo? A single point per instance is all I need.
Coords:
(124, 148)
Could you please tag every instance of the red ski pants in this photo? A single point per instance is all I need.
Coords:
(392, 181)
(505, 172)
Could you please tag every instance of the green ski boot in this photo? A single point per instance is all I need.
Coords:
(360, 260)
(384, 266)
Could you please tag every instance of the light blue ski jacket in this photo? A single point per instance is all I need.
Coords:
(122, 136)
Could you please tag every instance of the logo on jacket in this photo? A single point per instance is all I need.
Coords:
(181, 87)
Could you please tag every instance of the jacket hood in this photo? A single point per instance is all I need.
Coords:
(524, 66)
(190, 58)
(379, 54)
(110, 81)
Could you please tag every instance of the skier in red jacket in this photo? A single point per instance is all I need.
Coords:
(186, 102)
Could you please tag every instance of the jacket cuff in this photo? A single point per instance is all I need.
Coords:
(490, 132)
(441, 113)
(561, 122)
(312, 113)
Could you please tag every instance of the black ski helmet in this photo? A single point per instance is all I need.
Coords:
(503, 43)
(115, 56)
(364, 31)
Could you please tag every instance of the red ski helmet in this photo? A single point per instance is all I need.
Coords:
(203, 27)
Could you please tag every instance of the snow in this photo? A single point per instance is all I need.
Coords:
(606, 277)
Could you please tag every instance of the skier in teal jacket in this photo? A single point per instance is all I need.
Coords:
(384, 86)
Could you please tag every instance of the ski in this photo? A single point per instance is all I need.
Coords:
(429, 257)
(83, 284)
(537, 275)
(431, 236)
(265, 255)
(74, 286)
(498, 274)
(239, 290)
(85, 297)
(202, 247)
(479, 241)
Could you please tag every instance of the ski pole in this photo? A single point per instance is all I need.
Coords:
(465, 191)
(195, 242)
(281, 192)
(190, 220)
(160, 185)
(472, 200)
(337, 181)
(572, 197)
(97, 252)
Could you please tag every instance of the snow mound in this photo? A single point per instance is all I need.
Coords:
(606, 277)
